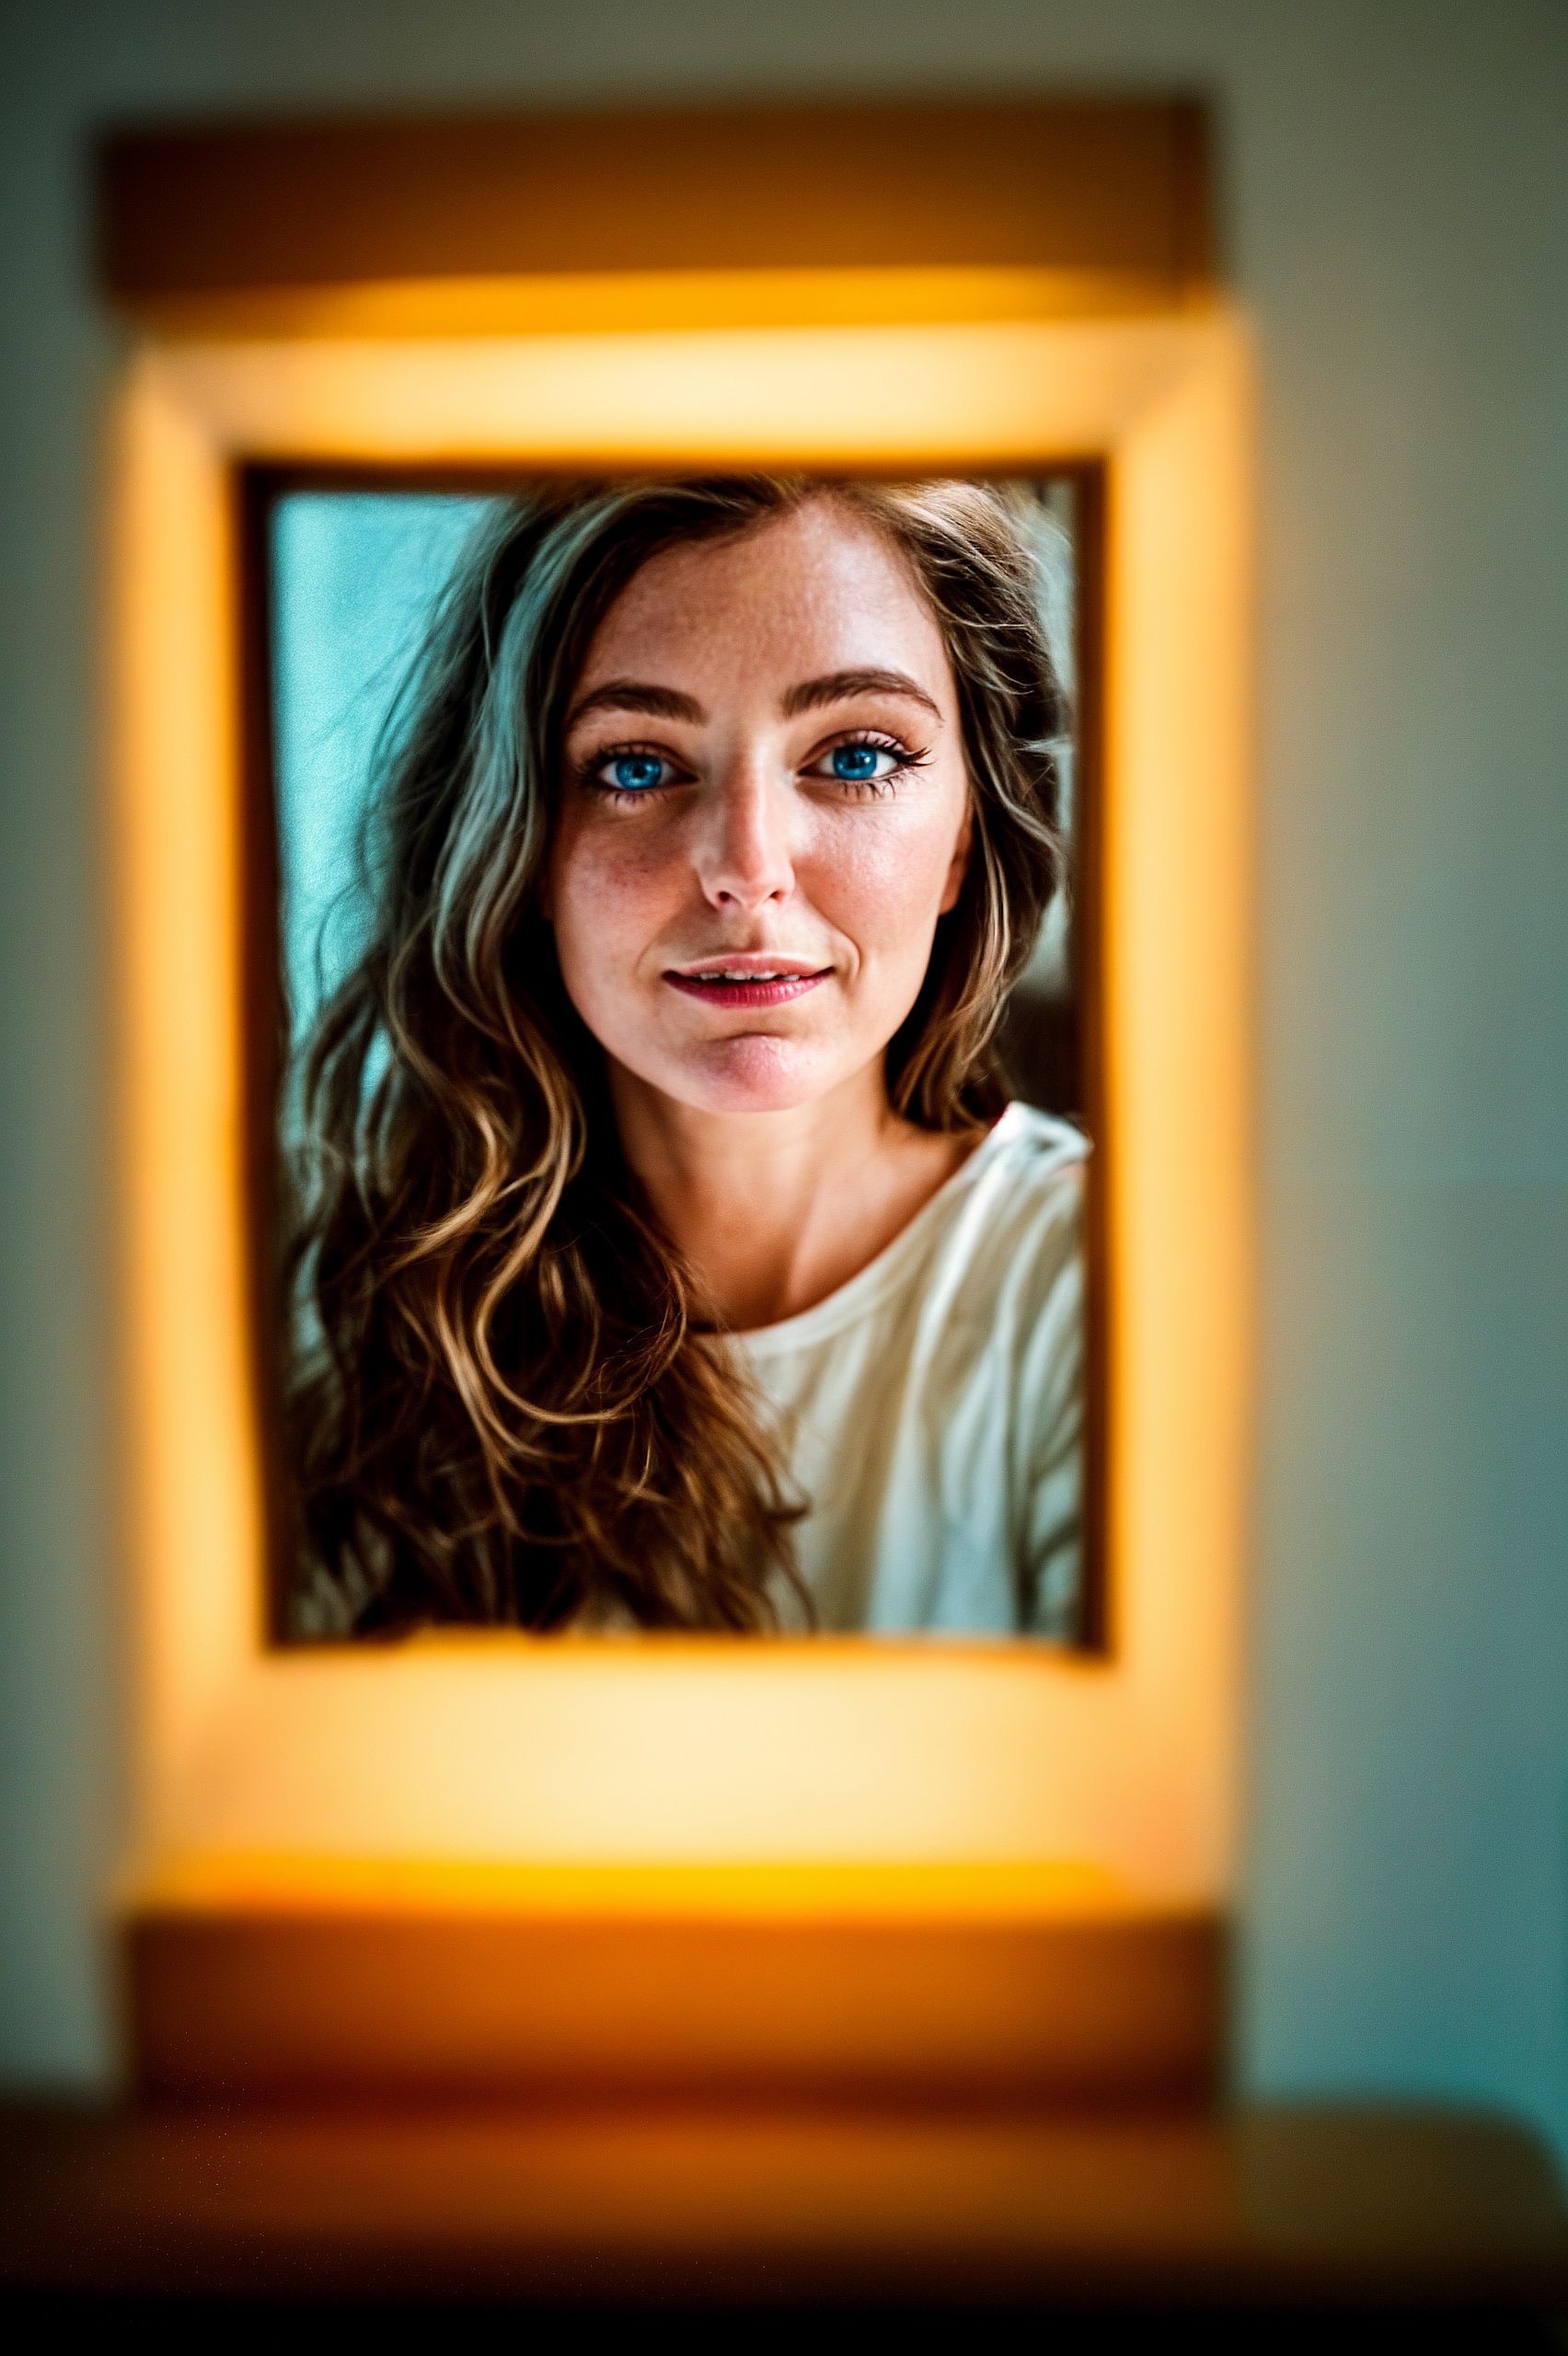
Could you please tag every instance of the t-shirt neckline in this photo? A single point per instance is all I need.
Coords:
(859, 1292)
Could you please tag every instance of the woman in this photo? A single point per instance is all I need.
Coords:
(672, 1256)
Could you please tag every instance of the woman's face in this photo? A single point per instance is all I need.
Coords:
(764, 811)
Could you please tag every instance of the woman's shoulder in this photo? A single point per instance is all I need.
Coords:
(1032, 1147)
(1021, 1208)
(1032, 1164)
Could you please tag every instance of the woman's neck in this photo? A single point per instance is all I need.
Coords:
(773, 1211)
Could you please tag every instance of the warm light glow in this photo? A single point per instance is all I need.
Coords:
(508, 1753)
(209, 1883)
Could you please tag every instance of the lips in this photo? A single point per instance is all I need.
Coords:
(748, 981)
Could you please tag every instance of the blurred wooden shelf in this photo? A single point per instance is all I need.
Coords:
(919, 1983)
(466, 225)
(708, 2207)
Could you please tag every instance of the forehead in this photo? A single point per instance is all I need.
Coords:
(817, 590)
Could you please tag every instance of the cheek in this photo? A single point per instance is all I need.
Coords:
(882, 880)
(607, 887)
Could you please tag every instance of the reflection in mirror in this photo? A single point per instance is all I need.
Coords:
(683, 1107)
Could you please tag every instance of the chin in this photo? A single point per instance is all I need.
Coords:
(756, 1074)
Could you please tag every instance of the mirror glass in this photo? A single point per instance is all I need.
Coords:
(933, 1502)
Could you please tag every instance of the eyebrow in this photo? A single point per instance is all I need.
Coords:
(839, 685)
(669, 703)
(638, 694)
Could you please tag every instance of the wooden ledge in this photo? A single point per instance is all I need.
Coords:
(957, 1982)
(729, 216)
(709, 2209)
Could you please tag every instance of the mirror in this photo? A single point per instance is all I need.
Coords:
(929, 1406)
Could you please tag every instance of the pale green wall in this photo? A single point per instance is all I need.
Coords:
(1398, 220)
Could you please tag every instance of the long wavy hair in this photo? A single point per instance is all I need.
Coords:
(508, 1402)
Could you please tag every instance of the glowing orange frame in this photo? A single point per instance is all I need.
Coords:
(686, 1753)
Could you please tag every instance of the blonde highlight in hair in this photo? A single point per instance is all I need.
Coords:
(509, 1405)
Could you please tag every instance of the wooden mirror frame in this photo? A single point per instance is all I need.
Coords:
(1083, 1804)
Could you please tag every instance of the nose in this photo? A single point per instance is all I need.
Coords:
(744, 856)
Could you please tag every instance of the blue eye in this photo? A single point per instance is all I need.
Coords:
(636, 772)
(856, 764)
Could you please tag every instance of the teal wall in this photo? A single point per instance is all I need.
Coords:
(1397, 216)
(354, 577)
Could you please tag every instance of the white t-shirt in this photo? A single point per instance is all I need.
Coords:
(932, 1408)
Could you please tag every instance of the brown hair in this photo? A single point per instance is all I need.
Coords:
(506, 1407)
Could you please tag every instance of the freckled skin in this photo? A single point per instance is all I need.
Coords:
(751, 846)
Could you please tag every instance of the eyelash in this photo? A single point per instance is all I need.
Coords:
(905, 759)
(591, 773)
